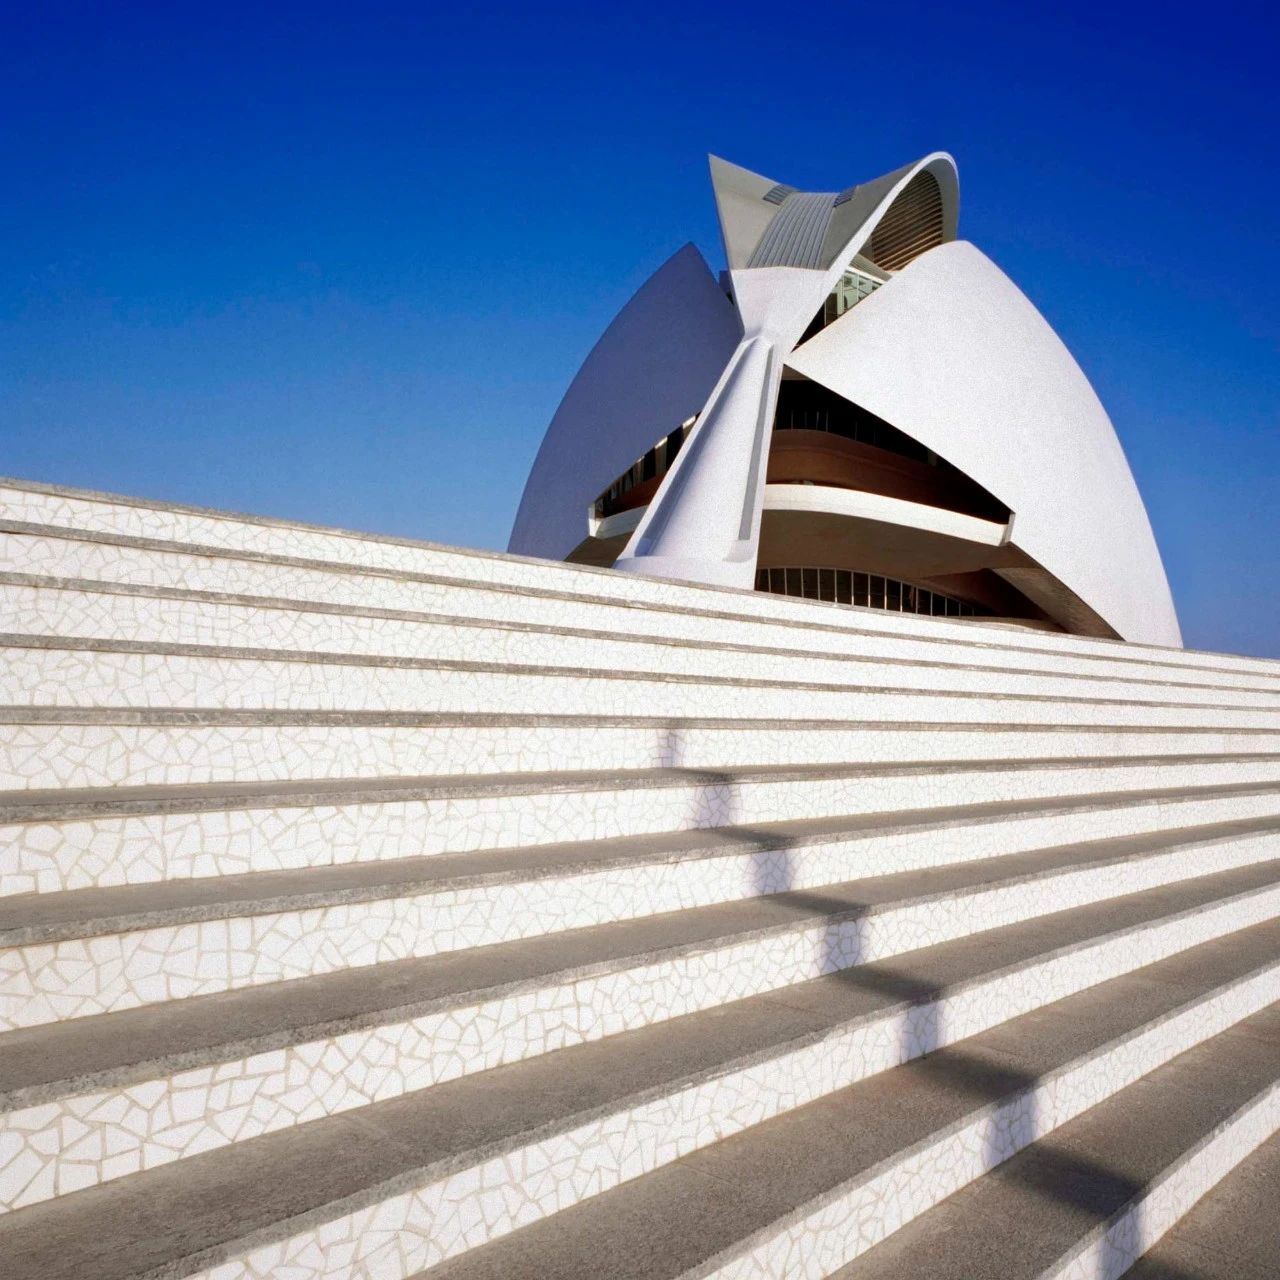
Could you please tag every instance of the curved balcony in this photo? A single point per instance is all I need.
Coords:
(806, 456)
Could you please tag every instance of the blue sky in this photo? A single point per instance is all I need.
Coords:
(338, 263)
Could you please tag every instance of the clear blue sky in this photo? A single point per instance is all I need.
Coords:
(338, 263)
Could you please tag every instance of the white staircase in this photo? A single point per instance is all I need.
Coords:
(369, 907)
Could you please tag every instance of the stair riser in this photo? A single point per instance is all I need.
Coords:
(110, 563)
(819, 1241)
(81, 678)
(418, 1228)
(106, 616)
(610, 647)
(45, 981)
(35, 756)
(121, 1130)
(1112, 1248)
(44, 855)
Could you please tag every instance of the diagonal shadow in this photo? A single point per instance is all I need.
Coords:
(1046, 1169)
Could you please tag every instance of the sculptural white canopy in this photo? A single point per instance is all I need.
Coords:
(941, 349)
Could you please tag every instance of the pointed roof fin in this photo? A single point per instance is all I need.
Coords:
(746, 203)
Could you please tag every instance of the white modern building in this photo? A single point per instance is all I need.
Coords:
(862, 409)
(370, 907)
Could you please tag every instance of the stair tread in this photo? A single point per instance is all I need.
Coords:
(42, 917)
(1032, 1210)
(713, 1200)
(1230, 1234)
(198, 717)
(82, 1054)
(586, 574)
(267, 1187)
(44, 804)
(1149, 673)
(11, 640)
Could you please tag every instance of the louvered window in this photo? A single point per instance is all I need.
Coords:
(912, 225)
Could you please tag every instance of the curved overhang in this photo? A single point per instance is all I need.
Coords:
(954, 355)
(766, 224)
(846, 504)
(651, 370)
(879, 508)
(867, 205)
(778, 295)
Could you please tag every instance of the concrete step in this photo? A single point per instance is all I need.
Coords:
(52, 841)
(1175, 1064)
(178, 616)
(121, 524)
(1230, 1234)
(82, 953)
(434, 1176)
(49, 747)
(511, 973)
(1094, 1197)
(101, 1097)
(48, 671)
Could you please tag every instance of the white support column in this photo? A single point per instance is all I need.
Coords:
(703, 524)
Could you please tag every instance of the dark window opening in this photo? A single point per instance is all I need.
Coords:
(868, 590)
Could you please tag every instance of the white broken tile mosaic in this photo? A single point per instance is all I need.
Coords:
(414, 1230)
(69, 852)
(38, 755)
(45, 981)
(147, 1124)
(106, 615)
(71, 510)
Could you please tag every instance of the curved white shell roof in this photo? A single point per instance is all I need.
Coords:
(953, 353)
(947, 350)
(651, 370)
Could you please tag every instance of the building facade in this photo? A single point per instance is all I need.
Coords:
(861, 409)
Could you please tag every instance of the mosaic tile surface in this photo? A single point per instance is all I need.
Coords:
(50, 755)
(409, 1232)
(56, 1146)
(136, 848)
(67, 509)
(123, 678)
(796, 662)
(46, 981)
(107, 616)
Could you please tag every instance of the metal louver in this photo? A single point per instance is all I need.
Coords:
(912, 225)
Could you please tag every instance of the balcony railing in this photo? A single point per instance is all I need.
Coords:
(870, 590)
